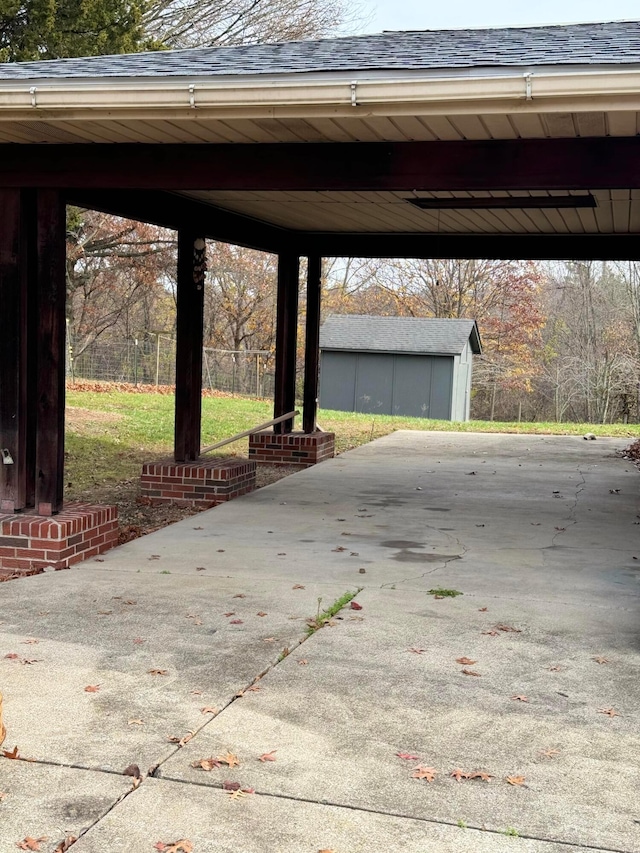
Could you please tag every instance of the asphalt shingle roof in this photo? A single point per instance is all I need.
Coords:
(616, 43)
(398, 334)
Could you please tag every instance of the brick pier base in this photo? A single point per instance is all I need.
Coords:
(203, 483)
(294, 448)
(30, 542)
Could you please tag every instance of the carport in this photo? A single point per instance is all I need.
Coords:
(490, 143)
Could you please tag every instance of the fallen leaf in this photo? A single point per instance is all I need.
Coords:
(416, 651)
(236, 622)
(2, 796)
(261, 613)
(12, 656)
(181, 741)
(482, 609)
(157, 671)
(338, 550)
(480, 774)
(470, 672)
(609, 712)
(355, 606)
(297, 586)
(549, 753)
(407, 756)
(555, 669)
(465, 660)
(196, 692)
(105, 612)
(354, 554)
(29, 843)
(508, 628)
(239, 793)
(229, 759)
(201, 568)
(138, 641)
(230, 613)
(253, 689)
(428, 773)
(135, 723)
(182, 846)
(560, 529)
(208, 710)
(515, 780)
(459, 775)
(198, 528)
(92, 688)
(231, 786)
(66, 843)
(491, 633)
(239, 595)
(132, 770)
(268, 756)
(601, 660)
(303, 662)
(13, 754)
(519, 699)
(31, 642)
(206, 763)
(129, 601)
(268, 639)
(29, 660)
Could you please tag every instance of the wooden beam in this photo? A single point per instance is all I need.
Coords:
(189, 341)
(50, 344)
(620, 247)
(513, 164)
(14, 489)
(286, 339)
(312, 343)
(174, 211)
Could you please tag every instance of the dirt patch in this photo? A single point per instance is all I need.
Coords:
(137, 518)
(84, 420)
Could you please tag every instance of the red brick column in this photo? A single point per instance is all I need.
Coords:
(30, 542)
(294, 448)
(203, 483)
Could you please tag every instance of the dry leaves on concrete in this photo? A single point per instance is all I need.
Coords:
(14, 753)
(600, 659)
(515, 780)
(407, 756)
(182, 846)
(549, 753)
(465, 661)
(92, 688)
(29, 843)
(427, 773)
(65, 844)
(268, 756)
(519, 699)
(470, 672)
(609, 712)
(158, 671)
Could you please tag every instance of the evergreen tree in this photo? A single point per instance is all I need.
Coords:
(52, 29)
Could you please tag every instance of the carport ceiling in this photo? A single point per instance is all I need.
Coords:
(337, 142)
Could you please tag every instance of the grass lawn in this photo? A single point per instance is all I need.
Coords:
(110, 434)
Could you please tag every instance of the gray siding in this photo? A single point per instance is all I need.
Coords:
(413, 385)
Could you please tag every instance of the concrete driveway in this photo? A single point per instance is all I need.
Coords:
(525, 687)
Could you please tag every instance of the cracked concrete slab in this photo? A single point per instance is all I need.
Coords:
(541, 531)
(338, 721)
(213, 823)
(110, 630)
(41, 801)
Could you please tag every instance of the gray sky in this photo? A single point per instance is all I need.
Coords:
(443, 14)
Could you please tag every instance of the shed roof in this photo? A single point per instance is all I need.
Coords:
(607, 43)
(398, 334)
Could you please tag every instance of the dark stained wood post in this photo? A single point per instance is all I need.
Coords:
(286, 339)
(50, 350)
(312, 343)
(192, 265)
(16, 464)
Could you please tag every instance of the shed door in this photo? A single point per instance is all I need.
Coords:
(423, 386)
(338, 380)
(374, 383)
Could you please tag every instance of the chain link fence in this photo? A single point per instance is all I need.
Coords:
(152, 361)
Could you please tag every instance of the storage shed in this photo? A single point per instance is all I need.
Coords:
(414, 366)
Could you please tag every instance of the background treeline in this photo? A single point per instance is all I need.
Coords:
(561, 341)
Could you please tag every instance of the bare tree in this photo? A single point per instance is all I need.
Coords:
(198, 23)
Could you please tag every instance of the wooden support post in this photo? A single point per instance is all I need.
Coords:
(286, 338)
(16, 464)
(50, 346)
(312, 343)
(192, 266)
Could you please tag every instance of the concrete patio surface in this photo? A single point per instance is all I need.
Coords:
(540, 534)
